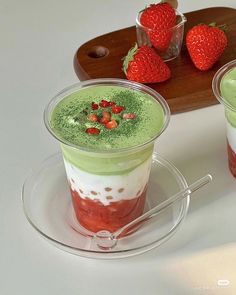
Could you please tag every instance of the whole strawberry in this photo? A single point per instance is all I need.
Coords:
(144, 65)
(160, 18)
(205, 44)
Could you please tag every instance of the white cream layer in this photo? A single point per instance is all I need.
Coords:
(231, 136)
(108, 188)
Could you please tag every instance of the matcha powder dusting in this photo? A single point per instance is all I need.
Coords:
(107, 117)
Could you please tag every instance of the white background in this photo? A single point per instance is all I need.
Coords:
(38, 40)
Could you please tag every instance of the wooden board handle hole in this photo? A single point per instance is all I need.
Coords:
(98, 52)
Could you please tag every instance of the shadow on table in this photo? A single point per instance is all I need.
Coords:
(211, 213)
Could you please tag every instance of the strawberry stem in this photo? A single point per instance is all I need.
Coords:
(213, 24)
(129, 57)
(223, 27)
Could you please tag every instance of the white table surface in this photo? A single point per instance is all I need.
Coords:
(38, 41)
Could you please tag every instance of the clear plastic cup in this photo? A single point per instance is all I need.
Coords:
(230, 110)
(108, 187)
(173, 38)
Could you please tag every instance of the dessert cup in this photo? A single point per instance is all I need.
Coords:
(108, 187)
(224, 88)
(154, 38)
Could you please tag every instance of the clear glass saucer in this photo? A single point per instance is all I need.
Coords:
(47, 206)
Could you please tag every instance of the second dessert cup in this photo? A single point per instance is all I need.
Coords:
(108, 187)
(224, 88)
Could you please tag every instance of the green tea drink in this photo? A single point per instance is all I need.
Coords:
(224, 87)
(107, 129)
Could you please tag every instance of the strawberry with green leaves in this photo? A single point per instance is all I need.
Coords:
(205, 44)
(159, 19)
(144, 65)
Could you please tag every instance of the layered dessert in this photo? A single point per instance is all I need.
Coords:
(228, 92)
(107, 134)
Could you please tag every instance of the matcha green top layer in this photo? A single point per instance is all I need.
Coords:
(69, 119)
(228, 87)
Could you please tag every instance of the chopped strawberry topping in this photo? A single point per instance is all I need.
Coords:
(117, 109)
(92, 118)
(111, 103)
(129, 116)
(106, 115)
(94, 106)
(104, 103)
(107, 118)
(104, 120)
(111, 125)
(93, 130)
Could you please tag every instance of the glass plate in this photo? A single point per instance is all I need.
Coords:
(47, 206)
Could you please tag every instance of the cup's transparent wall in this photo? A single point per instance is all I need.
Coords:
(108, 189)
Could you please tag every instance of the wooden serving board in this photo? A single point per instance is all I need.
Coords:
(188, 88)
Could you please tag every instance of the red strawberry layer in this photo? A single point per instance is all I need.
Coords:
(95, 216)
(232, 160)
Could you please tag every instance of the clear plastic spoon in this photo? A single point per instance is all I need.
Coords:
(106, 240)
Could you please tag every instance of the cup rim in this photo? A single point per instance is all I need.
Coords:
(216, 83)
(106, 81)
(183, 20)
